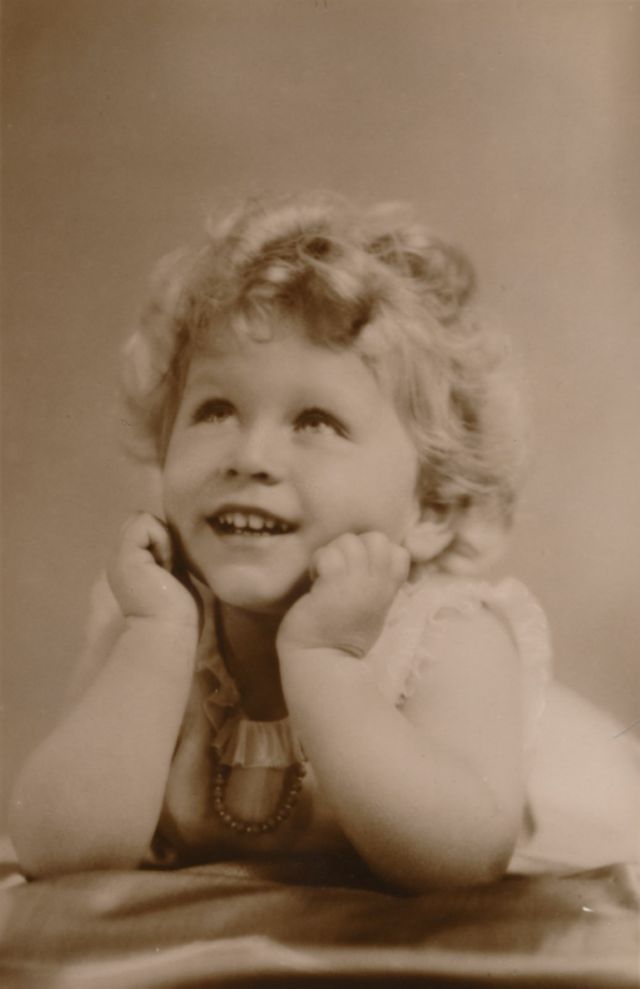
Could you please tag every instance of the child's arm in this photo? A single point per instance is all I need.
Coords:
(91, 794)
(431, 794)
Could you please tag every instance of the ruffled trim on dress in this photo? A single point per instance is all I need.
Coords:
(530, 629)
(236, 739)
(268, 744)
(224, 693)
(405, 648)
(394, 656)
(397, 661)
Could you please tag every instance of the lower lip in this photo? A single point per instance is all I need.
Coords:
(249, 538)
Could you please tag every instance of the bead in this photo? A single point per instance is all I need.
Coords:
(287, 802)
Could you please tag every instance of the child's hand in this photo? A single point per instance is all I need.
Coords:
(140, 577)
(358, 577)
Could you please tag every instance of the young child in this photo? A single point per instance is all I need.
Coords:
(298, 654)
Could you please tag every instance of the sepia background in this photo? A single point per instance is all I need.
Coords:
(513, 127)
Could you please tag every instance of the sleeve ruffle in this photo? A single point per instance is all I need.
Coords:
(405, 648)
(530, 629)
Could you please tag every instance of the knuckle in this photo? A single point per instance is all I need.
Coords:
(401, 558)
(379, 546)
(328, 557)
(127, 525)
(134, 523)
(322, 553)
(377, 539)
(347, 541)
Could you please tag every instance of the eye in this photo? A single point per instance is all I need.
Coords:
(214, 410)
(320, 422)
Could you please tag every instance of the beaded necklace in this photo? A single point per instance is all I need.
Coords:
(292, 784)
(288, 799)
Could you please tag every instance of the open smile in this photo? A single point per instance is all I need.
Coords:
(236, 521)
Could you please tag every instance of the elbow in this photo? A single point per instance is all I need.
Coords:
(47, 862)
(48, 858)
(421, 866)
(484, 868)
(424, 878)
(417, 877)
(48, 846)
(54, 832)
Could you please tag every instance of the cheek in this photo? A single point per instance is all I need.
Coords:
(178, 486)
(396, 490)
(171, 505)
(378, 492)
(397, 505)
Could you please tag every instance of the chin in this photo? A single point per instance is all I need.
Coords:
(261, 595)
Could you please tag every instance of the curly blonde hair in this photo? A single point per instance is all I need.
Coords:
(369, 279)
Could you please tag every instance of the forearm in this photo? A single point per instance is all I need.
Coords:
(419, 816)
(91, 794)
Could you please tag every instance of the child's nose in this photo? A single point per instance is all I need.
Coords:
(257, 452)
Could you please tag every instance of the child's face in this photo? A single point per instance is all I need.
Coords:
(279, 447)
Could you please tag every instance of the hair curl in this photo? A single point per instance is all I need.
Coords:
(368, 279)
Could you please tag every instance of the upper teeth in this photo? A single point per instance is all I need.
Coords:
(249, 520)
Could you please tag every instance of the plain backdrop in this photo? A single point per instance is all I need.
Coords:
(512, 126)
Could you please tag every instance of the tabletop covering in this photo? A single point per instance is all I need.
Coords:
(316, 921)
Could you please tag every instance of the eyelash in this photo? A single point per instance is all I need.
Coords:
(213, 410)
(318, 418)
(218, 410)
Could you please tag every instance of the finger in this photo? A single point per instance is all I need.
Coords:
(159, 542)
(131, 529)
(379, 548)
(148, 533)
(400, 563)
(329, 561)
(353, 549)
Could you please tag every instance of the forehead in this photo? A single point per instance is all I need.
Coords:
(279, 355)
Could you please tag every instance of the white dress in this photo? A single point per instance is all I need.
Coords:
(583, 776)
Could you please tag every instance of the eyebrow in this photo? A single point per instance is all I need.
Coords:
(204, 376)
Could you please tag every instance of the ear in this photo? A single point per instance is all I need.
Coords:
(429, 536)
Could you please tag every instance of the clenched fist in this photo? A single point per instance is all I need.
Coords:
(140, 574)
(357, 578)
